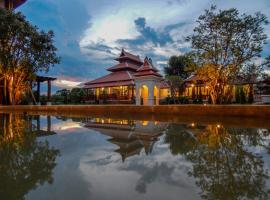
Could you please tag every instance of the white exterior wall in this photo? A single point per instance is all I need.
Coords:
(150, 82)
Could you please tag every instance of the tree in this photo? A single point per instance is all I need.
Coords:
(223, 42)
(221, 164)
(176, 84)
(181, 66)
(63, 95)
(24, 51)
(26, 162)
(76, 95)
(178, 69)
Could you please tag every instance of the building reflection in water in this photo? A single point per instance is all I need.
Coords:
(130, 136)
(26, 162)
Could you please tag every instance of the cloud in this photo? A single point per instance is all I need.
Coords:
(66, 84)
(89, 34)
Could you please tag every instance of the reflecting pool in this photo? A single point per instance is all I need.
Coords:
(51, 157)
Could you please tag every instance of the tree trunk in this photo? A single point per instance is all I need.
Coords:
(6, 100)
(213, 96)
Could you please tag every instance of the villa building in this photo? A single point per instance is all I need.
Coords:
(197, 90)
(196, 87)
(130, 81)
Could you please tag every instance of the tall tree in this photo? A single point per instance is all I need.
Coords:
(181, 66)
(24, 51)
(224, 41)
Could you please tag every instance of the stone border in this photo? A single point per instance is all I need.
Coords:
(261, 111)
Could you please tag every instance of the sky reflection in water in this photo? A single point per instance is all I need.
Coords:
(45, 157)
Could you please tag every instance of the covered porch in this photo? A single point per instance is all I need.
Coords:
(196, 89)
(111, 94)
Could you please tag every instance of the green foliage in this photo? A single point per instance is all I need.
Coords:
(224, 42)
(240, 96)
(181, 66)
(76, 95)
(26, 162)
(222, 166)
(226, 38)
(24, 51)
(175, 100)
(176, 84)
(65, 96)
(22, 44)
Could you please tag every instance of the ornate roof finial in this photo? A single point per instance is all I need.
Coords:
(150, 60)
(146, 58)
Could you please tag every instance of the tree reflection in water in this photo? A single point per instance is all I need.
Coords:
(223, 165)
(25, 163)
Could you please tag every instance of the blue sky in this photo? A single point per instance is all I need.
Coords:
(90, 33)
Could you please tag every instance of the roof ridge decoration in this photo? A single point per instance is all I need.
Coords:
(126, 55)
(147, 65)
(147, 69)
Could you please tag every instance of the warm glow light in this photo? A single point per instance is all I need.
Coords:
(192, 85)
(206, 87)
(192, 124)
(145, 123)
(218, 126)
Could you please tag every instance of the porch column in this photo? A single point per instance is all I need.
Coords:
(38, 93)
(138, 96)
(49, 93)
(151, 100)
(132, 92)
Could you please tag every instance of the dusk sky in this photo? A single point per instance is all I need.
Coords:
(90, 33)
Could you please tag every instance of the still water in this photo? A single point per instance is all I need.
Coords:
(44, 157)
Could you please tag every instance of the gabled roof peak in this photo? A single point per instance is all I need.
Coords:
(147, 65)
(147, 69)
(128, 56)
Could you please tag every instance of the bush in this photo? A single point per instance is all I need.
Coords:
(175, 100)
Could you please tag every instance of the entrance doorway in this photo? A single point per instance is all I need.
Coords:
(144, 95)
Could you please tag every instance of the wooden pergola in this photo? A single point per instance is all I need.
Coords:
(41, 79)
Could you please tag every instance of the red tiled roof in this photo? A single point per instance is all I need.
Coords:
(110, 84)
(122, 66)
(147, 69)
(195, 78)
(128, 56)
(112, 79)
(15, 3)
